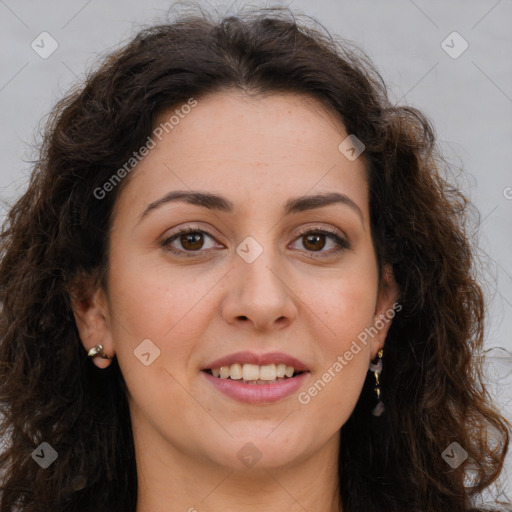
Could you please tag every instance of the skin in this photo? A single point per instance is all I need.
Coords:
(258, 152)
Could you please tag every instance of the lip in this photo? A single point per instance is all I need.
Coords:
(257, 393)
(259, 359)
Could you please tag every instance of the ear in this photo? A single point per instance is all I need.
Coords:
(93, 324)
(385, 309)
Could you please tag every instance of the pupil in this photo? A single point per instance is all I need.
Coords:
(187, 240)
(316, 239)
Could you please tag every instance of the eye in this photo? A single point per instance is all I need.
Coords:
(190, 239)
(315, 240)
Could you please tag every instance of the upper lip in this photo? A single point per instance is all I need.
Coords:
(259, 359)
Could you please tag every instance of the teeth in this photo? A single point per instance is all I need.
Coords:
(236, 371)
(268, 372)
(251, 372)
(281, 370)
(254, 373)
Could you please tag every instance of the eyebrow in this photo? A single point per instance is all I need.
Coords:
(222, 204)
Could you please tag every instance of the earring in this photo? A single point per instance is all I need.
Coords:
(377, 369)
(98, 351)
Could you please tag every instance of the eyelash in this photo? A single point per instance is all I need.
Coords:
(341, 243)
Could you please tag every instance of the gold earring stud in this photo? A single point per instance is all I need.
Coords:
(98, 351)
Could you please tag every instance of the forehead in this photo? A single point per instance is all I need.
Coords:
(249, 147)
(266, 125)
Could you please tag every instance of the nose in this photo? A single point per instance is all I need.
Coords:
(260, 294)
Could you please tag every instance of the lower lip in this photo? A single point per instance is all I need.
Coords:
(257, 393)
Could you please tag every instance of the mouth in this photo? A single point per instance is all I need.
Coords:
(255, 374)
(252, 378)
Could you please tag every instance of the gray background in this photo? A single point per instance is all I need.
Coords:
(468, 98)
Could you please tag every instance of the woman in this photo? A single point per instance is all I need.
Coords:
(238, 281)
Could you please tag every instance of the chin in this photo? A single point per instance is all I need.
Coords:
(257, 450)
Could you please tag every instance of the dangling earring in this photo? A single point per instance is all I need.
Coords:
(377, 369)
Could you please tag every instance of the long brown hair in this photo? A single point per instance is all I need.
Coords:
(54, 242)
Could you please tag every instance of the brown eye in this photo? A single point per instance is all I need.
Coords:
(314, 242)
(192, 241)
(322, 243)
(188, 241)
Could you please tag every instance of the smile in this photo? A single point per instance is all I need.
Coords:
(255, 374)
(252, 378)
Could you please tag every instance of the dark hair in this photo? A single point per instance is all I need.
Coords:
(54, 243)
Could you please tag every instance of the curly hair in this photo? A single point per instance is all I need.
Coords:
(54, 245)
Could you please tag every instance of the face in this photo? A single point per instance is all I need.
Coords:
(264, 280)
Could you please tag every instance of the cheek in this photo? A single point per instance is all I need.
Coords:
(347, 303)
(339, 380)
(348, 307)
(149, 298)
(149, 302)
